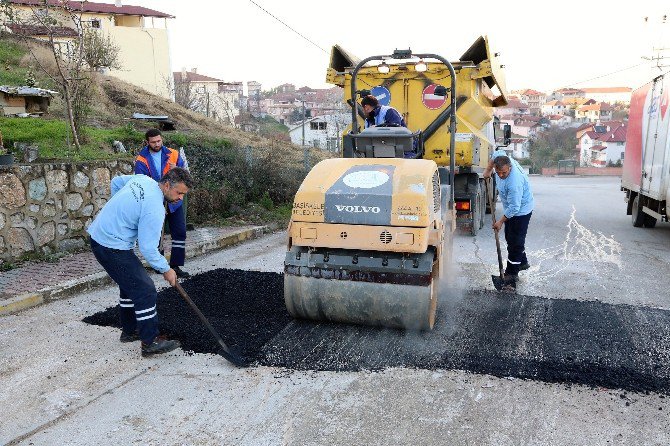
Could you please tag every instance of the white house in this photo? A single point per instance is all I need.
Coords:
(609, 94)
(554, 108)
(560, 120)
(323, 132)
(209, 96)
(520, 147)
(600, 148)
(601, 111)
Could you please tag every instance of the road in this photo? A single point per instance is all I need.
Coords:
(67, 382)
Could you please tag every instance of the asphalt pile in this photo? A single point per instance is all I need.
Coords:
(559, 341)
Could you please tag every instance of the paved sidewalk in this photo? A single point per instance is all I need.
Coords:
(38, 283)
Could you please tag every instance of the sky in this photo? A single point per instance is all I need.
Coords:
(582, 43)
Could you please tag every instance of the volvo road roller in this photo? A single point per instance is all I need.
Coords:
(370, 232)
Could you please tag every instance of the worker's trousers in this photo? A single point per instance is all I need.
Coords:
(177, 222)
(515, 236)
(137, 297)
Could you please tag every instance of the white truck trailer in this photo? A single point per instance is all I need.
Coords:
(646, 166)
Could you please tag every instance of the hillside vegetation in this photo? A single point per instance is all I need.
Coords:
(239, 175)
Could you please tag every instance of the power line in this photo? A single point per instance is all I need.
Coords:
(283, 23)
(601, 76)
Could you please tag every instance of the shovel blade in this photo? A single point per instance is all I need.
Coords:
(232, 357)
(501, 284)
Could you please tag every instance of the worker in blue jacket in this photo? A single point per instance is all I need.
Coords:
(516, 196)
(135, 213)
(376, 114)
(384, 115)
(155, 160)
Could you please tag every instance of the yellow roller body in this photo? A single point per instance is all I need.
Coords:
(365, 243)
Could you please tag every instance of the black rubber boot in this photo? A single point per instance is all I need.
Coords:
(129, 337)
(181, 273)
(158, 346)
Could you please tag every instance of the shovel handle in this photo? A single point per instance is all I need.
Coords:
(204, 320)
(489, 194)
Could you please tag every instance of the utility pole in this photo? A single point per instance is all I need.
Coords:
(303, 122)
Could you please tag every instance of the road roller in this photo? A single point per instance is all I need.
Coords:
(369, 231)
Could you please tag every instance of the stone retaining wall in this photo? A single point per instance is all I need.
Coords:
(45, 208)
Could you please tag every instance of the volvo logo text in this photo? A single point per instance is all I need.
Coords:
(358, 209)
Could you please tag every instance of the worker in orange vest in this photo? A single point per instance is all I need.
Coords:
(155, 160)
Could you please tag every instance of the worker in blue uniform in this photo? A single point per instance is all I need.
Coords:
(155, 160)
(517, 199)
(135, 213)
(376, 114)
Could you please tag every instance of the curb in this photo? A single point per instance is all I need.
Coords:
(64, 290)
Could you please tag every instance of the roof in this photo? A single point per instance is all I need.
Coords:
(530, 124)
(513, 103)
(27, 91)
(599, 147)
(38, 30)
(608, 90)
(531, 92)
(602, 106)
(555, 103)
(193, 77)
(103, 8)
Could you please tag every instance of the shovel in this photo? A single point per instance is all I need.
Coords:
(224, 350)
(498, 281)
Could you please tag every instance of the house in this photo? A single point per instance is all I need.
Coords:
(556, 107)
(602, 144)
(534, 99)
(566, 93)
(139, 33)
(288, 104)
(24, 100)
(519, 147)
(527, 128)
(324, 132)
(513, 107)
(559, 120)
(212, 97)
(610, 95)
(600, 111)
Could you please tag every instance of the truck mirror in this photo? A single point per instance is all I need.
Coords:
(440, 91)
(507, 134)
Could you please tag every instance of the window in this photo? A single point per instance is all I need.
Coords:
(317, 126)
(95, 23)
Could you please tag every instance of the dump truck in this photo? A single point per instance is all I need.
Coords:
(370, 232)
(645, 179)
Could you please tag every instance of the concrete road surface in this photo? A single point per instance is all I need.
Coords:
(67, 382)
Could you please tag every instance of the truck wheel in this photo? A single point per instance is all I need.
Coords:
(636, 212)
(649, 221)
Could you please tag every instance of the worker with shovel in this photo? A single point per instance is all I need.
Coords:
(135, 213)
(516, 196)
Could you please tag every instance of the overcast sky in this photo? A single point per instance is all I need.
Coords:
(579, 44)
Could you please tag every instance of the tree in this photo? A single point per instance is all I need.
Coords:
(550, 146)
(184, 93)
(99, 50)
(76, 50)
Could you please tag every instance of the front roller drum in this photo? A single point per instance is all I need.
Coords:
(410, 307)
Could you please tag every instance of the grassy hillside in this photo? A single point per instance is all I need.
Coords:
(239, 176)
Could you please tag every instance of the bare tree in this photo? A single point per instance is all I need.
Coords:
(184, 93)
(74, 48)
(99, 50)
